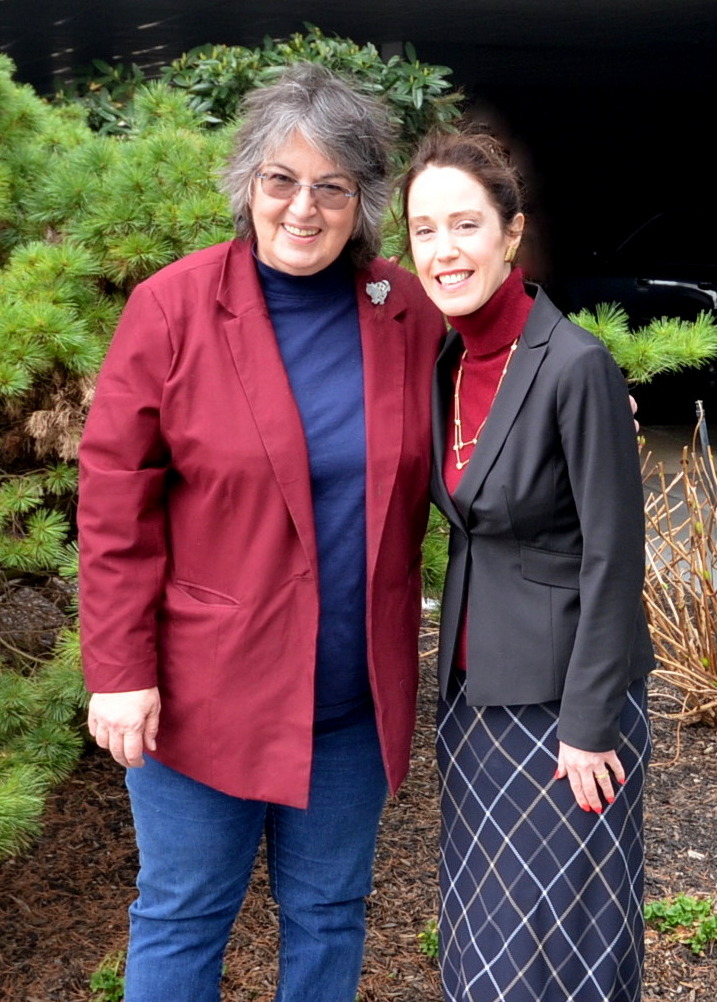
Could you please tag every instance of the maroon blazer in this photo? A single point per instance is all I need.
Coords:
(198, 557)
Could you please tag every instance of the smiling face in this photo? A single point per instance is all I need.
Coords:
(458, 241)
(295, 235)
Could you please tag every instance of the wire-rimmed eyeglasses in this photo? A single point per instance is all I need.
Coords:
(324, 193)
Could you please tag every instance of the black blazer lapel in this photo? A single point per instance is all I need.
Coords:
(518, 379)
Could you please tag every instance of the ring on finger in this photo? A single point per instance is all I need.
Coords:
(601, 775)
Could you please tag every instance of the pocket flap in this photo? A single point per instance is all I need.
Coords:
(207, 596)
(562, 570)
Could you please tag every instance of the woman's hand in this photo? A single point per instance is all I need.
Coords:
(633, 408)
(589, 775)
(125, 723)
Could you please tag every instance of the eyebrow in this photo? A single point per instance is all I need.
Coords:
(322, 177)
(452, 216)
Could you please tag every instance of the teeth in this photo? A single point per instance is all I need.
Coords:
(297, 231)
(453, 278)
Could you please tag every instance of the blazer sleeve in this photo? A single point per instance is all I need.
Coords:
(600, 446)
(124, 463)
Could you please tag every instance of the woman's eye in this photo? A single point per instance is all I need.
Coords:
(466, 226)
(282, 179)
(421, 232)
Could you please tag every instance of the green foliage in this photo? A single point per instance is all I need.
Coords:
(53, 694)
(428, 939)
(395, 241)
(664, 345)
(158, 203)
(106, 983)
(104, 91)
(32, 538)
(435, 554)
(39, 546)
(59, 686)
(50, 749)
(60, 478)
(41, 739)
(68, 566)
(22, 793)
(691, 920)
(83, 217)
(214, 78)
(32, 137)
(16, 706)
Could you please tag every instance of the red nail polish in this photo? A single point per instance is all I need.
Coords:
(556, 774)
(622, 782)
(598, 810)
(586, 807)
(610, 800)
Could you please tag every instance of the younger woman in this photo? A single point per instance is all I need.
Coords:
(542, 730)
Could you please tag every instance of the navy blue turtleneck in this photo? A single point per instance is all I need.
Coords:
(315, 318)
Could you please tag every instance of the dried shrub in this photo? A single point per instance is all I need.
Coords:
(680, 594)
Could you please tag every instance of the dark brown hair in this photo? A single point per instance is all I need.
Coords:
(478, 154)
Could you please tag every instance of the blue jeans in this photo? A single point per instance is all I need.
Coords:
(197, 847)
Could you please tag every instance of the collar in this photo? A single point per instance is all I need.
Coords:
(499, 321)
(330, 282)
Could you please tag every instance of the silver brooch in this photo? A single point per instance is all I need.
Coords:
(377, 291)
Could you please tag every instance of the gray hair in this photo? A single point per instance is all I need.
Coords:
(349, 128)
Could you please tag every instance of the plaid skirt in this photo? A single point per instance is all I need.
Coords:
(540, 900)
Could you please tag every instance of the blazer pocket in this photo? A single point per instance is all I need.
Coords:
(206, 596)
(561, 570)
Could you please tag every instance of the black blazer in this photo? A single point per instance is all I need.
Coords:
(547, 534)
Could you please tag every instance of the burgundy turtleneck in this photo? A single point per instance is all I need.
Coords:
(487, 336)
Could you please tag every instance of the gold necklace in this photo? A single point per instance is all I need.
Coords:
(458, 443)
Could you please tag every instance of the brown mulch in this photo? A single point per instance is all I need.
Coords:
(63, 905)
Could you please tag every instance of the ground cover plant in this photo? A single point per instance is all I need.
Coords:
(691, 920)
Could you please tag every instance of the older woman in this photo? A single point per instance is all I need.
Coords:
(254, 478)
(542, 731)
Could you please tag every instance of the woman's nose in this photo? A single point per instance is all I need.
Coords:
(445, 245)
(303, 201)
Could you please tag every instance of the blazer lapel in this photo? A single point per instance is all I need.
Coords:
(383, 344)
(521, 372)
(261, 372)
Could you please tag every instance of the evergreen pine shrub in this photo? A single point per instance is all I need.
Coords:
(83, 217)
